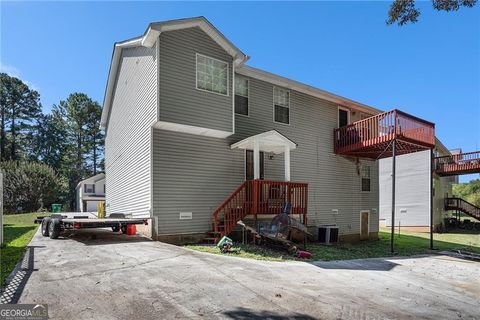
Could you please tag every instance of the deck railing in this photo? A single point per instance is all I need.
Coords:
(458, 163)
(257, 197)
(382, 128)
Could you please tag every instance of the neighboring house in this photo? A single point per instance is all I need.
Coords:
(413, 189)
(90, 192)
(189, 126)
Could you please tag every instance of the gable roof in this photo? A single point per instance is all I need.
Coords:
(149, 38)
(152, 32)
(269, 141)
(95, 178)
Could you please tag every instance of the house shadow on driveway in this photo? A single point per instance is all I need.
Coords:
(95, 237)
(374, 264)
(244, 314)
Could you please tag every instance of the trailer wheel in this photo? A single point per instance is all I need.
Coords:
(45, 225)
(54, 228)
(116, 229)
(124, 229)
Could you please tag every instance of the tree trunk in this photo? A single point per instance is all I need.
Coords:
(3, 136)
(94, 156)
(13, 152)
(79, 151)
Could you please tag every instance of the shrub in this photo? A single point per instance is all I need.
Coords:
(29, 186)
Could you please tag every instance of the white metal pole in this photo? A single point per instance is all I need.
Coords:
(287, 163)
(394, 155)
(256, 159)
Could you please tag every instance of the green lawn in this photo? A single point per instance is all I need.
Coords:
(406, 244)
(18, 231)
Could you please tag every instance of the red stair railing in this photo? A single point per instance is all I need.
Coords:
(257, 197)
(233, 209)
(463, 206)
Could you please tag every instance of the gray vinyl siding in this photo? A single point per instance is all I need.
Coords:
(334, 182)
(180, 101)
(191, 174)
(412, 191)
(128, 140)
(196, 174)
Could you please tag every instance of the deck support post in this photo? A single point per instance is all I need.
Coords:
(394, 154)
(431, 199)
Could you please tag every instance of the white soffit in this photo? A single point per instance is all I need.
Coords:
(270, 141)
(184, 128)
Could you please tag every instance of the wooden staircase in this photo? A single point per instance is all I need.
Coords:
(257, 197)
(462, 206)
(232, 210)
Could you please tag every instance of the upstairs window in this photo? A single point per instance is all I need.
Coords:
(281, 104)
(89, 188)
(241, 95)
(366, 178)
(212, 75)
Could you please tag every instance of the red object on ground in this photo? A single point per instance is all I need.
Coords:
(304, 254)
(131, 229)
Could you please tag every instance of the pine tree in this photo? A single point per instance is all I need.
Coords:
(83, 138)
(19, 107)
(94, 137)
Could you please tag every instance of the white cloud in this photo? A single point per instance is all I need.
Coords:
(14, 72)
(10, 70)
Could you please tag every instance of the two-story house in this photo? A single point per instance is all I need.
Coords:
(89, 193)
(196, 140)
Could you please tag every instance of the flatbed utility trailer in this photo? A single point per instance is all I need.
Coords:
(56, 224)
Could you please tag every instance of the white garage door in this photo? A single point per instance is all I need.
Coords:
(92, 206)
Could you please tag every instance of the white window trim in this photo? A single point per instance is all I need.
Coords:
(248, 97)
(85, 188)
(361, 178)
(289, 107)
(196, 75)
(348, 115)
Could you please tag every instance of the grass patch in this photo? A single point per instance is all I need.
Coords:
(24, 218)
(247, 251)
(17, 232)
(406, 244)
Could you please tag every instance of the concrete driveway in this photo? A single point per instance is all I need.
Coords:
(115, 277)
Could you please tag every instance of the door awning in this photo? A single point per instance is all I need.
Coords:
(270, 141)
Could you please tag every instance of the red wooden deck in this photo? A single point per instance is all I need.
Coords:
(258, 197)
(372, 137)
(463, 163)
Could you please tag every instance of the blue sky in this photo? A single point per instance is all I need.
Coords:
(430, 69)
